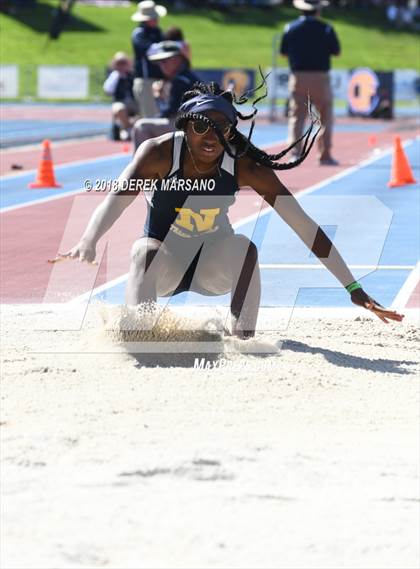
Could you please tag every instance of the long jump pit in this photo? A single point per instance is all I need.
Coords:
(174, 445)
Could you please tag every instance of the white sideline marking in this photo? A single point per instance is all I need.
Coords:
(42, 200)
(281, 266)
(407, 288)
(59, 167)
(86, 295)
(61, 195)
(57, 144)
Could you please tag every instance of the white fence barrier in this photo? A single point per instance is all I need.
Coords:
(9, 81)
(83, 82)
(406, 84)
(63, 82)
(278, 79)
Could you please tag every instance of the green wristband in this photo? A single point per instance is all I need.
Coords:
(353, 286)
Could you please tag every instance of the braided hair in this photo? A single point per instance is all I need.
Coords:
(238, 144)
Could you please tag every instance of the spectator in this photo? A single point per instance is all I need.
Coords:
(175, 34)
(119, 86)
(308, 42)
(392, 13)
(175, 68)
(147, 33)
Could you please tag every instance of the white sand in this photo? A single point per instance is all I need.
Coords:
(312, 462)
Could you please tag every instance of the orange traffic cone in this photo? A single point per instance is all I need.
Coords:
(401, 173)
(45, 176)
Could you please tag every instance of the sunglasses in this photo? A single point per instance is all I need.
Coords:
(201, 128)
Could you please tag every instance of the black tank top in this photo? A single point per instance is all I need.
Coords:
(191, 209)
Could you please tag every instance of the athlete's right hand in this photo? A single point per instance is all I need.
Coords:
(84, 251)
(360, 298)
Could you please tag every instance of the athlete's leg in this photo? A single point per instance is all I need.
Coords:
(231, 264)
(154, 271)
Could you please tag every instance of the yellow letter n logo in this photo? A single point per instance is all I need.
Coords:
(204, 221)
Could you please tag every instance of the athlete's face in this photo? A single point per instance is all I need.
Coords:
(203, 141)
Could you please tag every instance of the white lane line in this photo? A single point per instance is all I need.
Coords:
(83, 297)
(58, 167)
(42, 200)
(90, 293)
(280, 266)
(58, 196)
(407, 288)
(57, 144)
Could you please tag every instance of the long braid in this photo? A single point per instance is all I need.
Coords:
(238, 141)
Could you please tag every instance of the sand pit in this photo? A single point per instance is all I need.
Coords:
(304, 455)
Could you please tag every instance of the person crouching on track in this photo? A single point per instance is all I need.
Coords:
(188, 241)
(176, 69)
(119, 85)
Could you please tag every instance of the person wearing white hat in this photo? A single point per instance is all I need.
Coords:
(309, 43)
(119, 86)
(146, 72)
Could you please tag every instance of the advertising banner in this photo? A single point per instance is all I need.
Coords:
(63, 82)
(9, 81)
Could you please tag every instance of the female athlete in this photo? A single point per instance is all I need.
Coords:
(188, 241)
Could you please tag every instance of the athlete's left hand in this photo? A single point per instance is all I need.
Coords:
(360, 298)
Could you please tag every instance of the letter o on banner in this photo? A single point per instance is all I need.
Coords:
(362, 91)
(371, 93)
(237, 78)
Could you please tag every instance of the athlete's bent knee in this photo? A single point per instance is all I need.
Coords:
(143, 253)
(246, 249)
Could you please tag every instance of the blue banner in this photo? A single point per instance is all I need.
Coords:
(240, 79)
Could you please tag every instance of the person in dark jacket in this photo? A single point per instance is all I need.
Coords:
(146, 72)
(119, 86)
(176, 69)
(309, 43)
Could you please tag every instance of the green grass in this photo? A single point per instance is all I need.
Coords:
(242, 37)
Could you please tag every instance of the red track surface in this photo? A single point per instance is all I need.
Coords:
(33, 234)
(414, 300)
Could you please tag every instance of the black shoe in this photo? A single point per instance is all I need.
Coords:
(328, 162)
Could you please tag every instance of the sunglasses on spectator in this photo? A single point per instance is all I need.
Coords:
(201, 128)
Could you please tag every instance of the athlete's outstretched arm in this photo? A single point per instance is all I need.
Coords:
(266, 184)
(106, 214)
